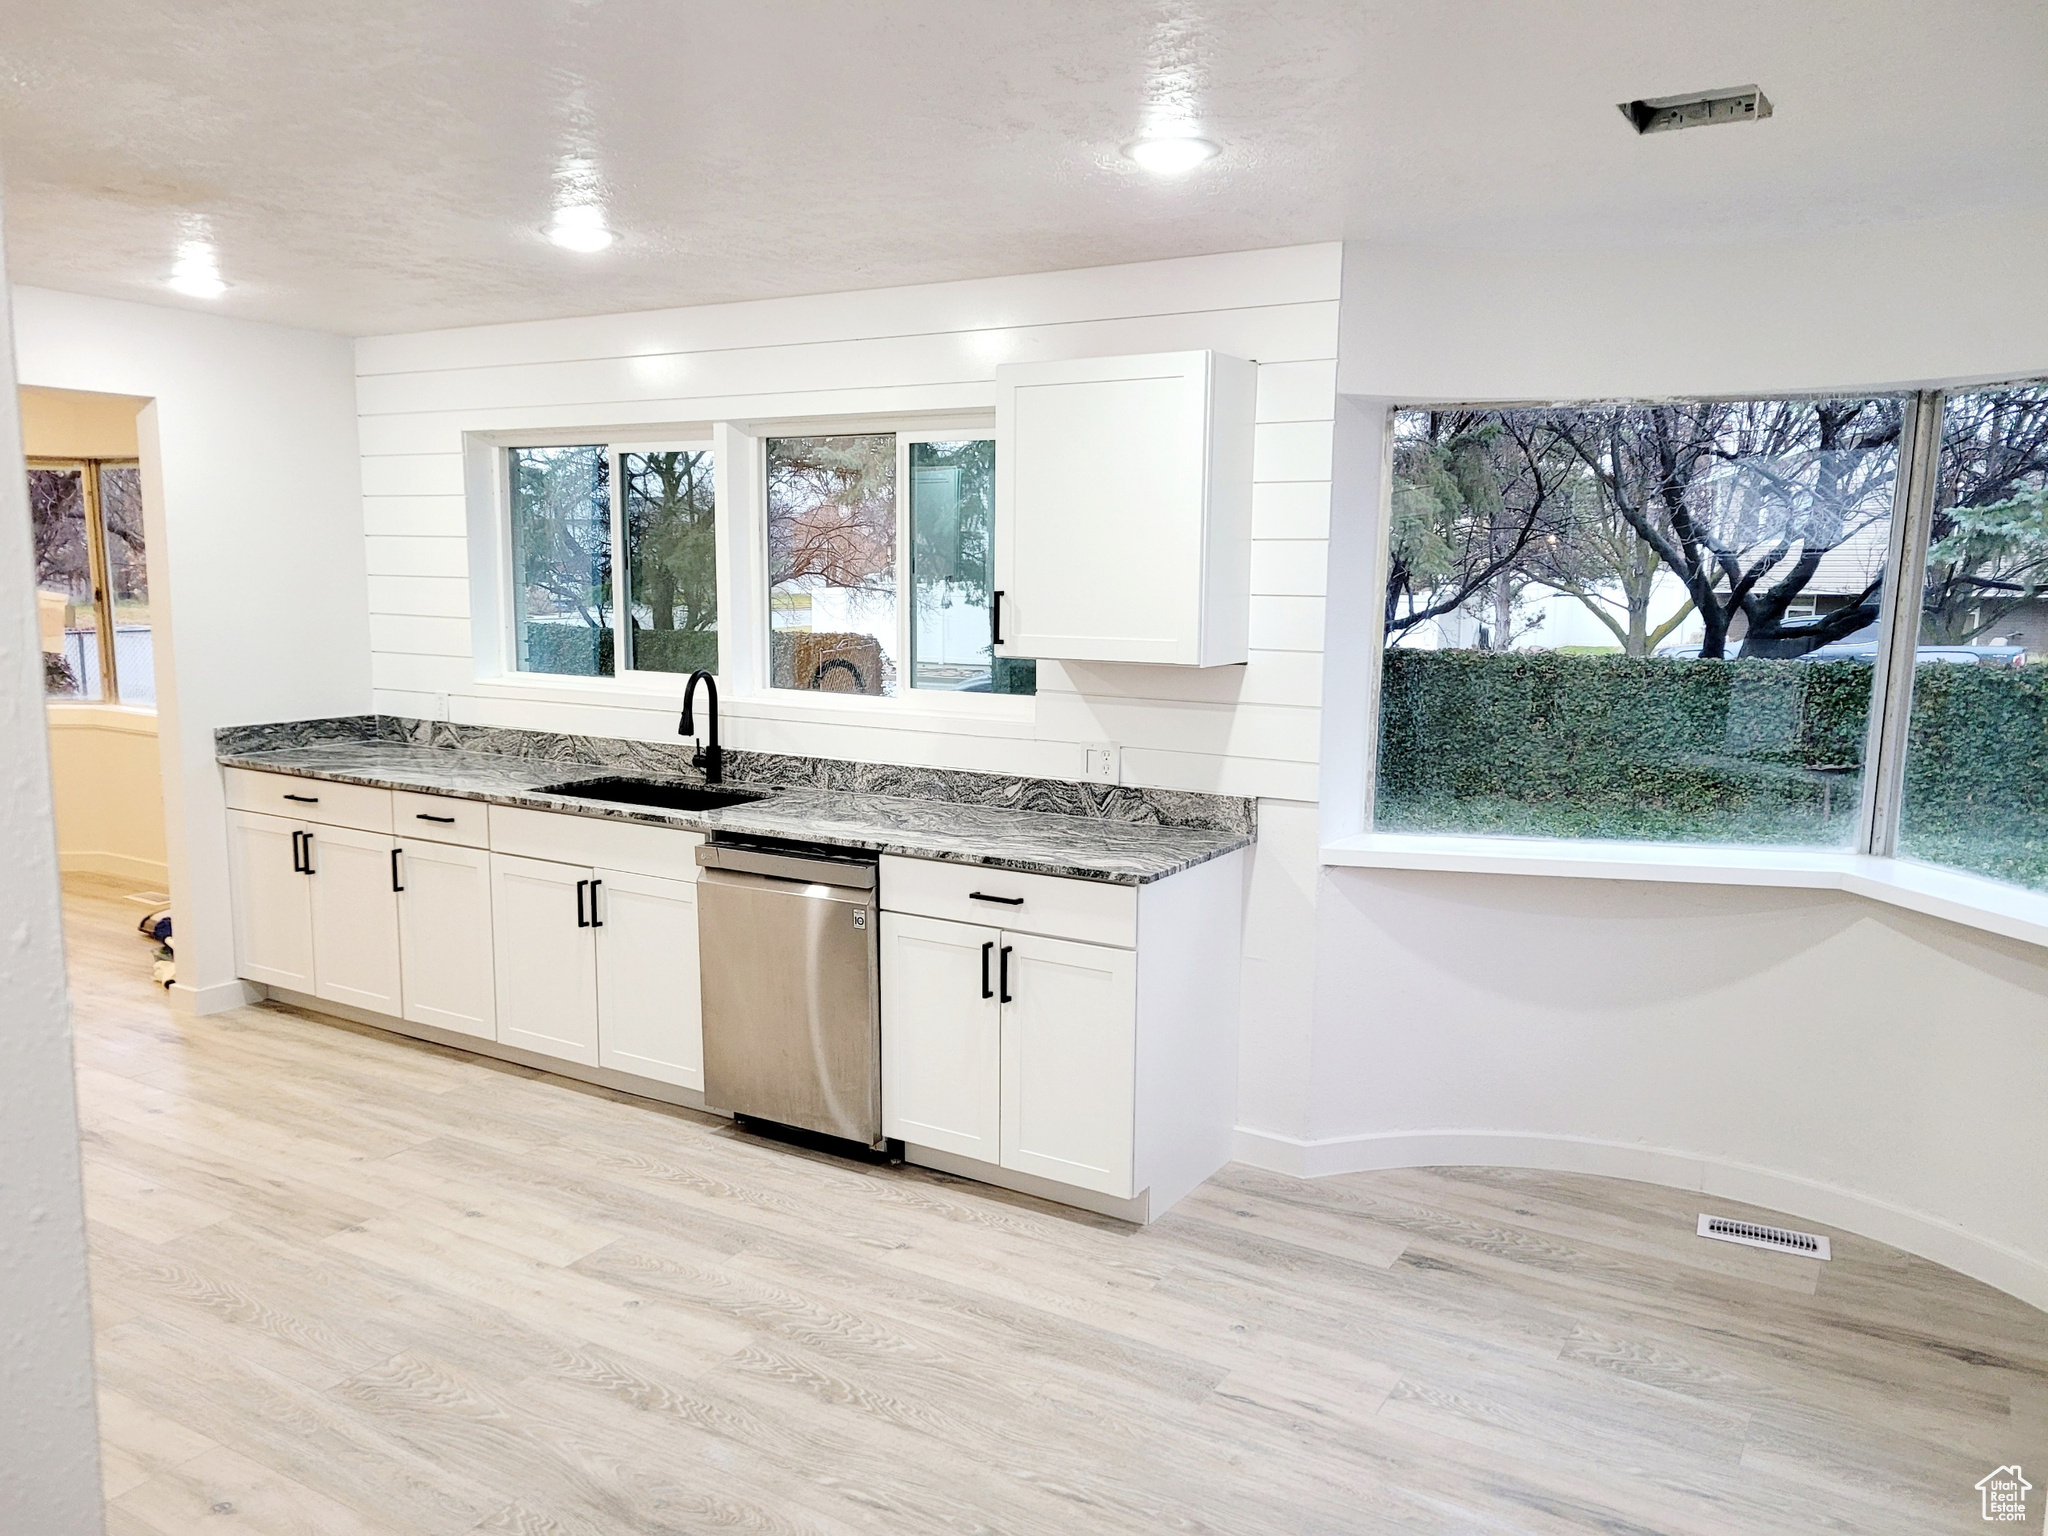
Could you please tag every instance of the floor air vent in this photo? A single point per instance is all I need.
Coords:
(1778, 1239)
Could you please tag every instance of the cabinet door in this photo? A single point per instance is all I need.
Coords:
(941, 1035)
(444, 937)
(650, 1018)
(273, 901)
(1145, 463)
(1069, 1044)
(355, 918)
(547, 957)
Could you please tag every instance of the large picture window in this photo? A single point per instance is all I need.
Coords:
(1668, 621)
(92, 583)
(592, 523)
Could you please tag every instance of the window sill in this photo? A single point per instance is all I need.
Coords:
(1971, 900)
(82, 714)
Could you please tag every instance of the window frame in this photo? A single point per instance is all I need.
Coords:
(99, 572)
(1872, 866)
(908, 699)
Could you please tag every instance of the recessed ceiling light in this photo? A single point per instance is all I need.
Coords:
(1171, 156)
(197, 272)
(580, 227)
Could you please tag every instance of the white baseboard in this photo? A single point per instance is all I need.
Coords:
(218, 998)
(1982, 1258)
(149, 874)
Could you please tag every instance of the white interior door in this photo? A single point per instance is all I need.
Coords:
(444, 936)
(273, 901)
(650, 1016)
(1069, 1054)
(355, 919)
(941, 1035)
(546, 957)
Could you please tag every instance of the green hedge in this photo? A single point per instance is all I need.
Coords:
(1977, 771)
(1547, 744)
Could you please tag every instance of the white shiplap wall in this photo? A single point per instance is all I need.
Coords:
(1249, 730)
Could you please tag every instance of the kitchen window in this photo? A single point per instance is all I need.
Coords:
(1816, 623)
(614, 558)
(848, 516)
(92, 583)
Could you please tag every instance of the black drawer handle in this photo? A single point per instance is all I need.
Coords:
(595, 920)
(1001, 901)
(1005, 982)
(397, 884)
(446, 821)
(582, 919)
(985, 949)
(304, 799)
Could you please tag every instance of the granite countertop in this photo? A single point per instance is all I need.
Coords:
(1035, 842)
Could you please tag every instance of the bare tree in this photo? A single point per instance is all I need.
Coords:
(1742, 500)
(1472, 490)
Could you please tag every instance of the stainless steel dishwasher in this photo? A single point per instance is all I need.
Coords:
(787, 933)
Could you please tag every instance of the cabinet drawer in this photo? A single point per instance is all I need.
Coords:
(1087, 910)
(320, 800)
(440, 819)
(595, 842)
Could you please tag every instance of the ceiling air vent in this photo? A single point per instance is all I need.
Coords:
(1701, 109)
(1778, 1239)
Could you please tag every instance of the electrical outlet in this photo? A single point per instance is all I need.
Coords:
(440, 706)
(1103, 763)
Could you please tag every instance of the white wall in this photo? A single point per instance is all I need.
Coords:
(1838, 1060)
(252, 506)
(1251, 730)
(49, 1436)
(107, 777)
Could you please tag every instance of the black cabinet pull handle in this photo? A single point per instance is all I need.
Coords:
(309, 852)
(396, 883)
(448, 821)
(995, 618)
(582, 921)
(298, 858)
(595, 920)
(1005, 982)
(991, 944)
(1001, 901)
(304, 799)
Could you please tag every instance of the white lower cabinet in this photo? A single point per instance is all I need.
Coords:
(444, 938)
(649, 1011)
(355, 918)
(941, 1035)
(547, 957)
(1069, 1042)
(599, 966)
(273, 900)
(1010, 1048)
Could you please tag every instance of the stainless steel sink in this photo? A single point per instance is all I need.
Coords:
(668, 797)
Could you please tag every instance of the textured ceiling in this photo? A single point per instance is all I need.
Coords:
(371, 166)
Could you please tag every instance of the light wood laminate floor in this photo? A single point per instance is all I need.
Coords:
(350, 1284)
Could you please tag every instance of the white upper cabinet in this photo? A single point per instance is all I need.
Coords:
(1124, 508)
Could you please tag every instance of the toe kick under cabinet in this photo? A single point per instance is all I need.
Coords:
(1071, 1034)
